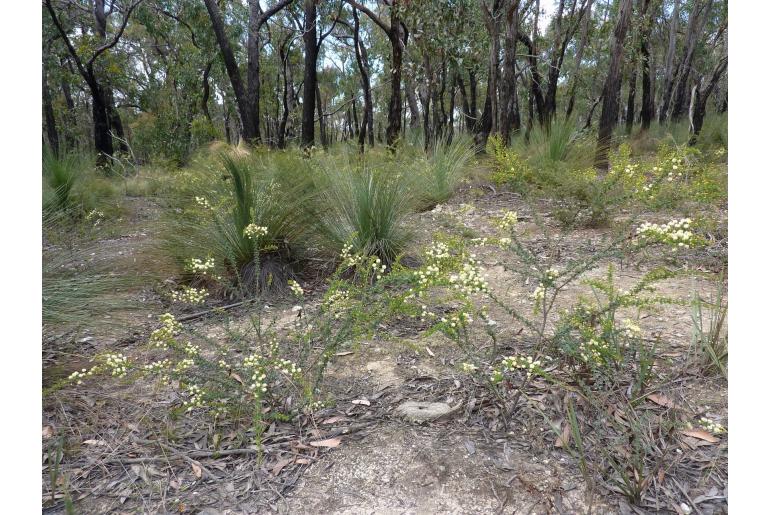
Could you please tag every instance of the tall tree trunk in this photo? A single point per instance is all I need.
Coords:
(50, 119)
(701, 97)
(467, 118)
(612, 87)
(579, 57)
(668, 77)
(510, 115)
(492, 23)
(310, 38)
(394, 106)
(206, 91)
(648, 108)
(694, 27)
(535, 90)
(248, 124)
(426, 96)
(630, 106)
(411, 97)
(321, 117)
(367, 119)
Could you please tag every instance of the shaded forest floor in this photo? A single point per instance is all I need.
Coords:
(101, 439)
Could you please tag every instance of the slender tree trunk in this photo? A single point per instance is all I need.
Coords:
(310, 38)
(612, 87)
(701, 98)
(394, 106)
(579, 57)
(668, 77)
(467, 118)
(648, 108)
(367, 119)
(536, 91)
(510, 115)
(630, 106)
(50, 119)
(248, 125)
(321, 118)
(491, 20)
(694, 28)
(414, 110)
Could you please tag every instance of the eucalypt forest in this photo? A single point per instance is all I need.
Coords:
(339, 256)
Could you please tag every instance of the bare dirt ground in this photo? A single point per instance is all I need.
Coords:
(463, 463)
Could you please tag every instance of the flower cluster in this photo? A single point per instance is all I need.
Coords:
(630, 329)
(117, 364)
(184, 365)
(456, 321)
(550, 276)
(469, 280)
(675, 233)
(468, 368)
(296, 289)
(378, 267)
(203, 202)
(337, 302)
(258, 377)
(437, 251)
(710, 425)
(254, 231)
(78, 376)
(538, 296)
(191, 350)
(164, 335)
(593, 351)
(288, 368)
(157, 366)
(196, 397)
(95, 214)
(526, 363)
(508, 220)
(199, 266)
(190, 295)
(348, 259)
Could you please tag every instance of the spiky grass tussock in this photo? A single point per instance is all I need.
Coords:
(445, 167)
(364, 207)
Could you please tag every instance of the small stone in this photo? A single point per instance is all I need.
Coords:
(415, 411)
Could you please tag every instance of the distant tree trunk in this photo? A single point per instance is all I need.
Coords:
(668, 77)
(206, 91)
(612, 87)
(579, 57)
(310, 79)
(50, 119)
(394, 106)
(248, 125)
(535, 91)
(467, 118)
(698, 18)
(70, 121)
(321, 118)
(367, 119)
(101, 122)
(510, 115)
(414, 111)
(473, 86)
(630, 106)
(648, 108)
(354, 128)
(700, 99)
(426, 96)
(491, 20)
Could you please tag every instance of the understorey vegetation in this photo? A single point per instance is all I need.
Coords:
(268, 226)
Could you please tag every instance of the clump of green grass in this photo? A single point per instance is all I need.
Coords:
(444, 169)
(218, 204)
(365, 208)
(60, 174)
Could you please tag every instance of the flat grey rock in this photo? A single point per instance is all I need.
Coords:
(415, 411)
